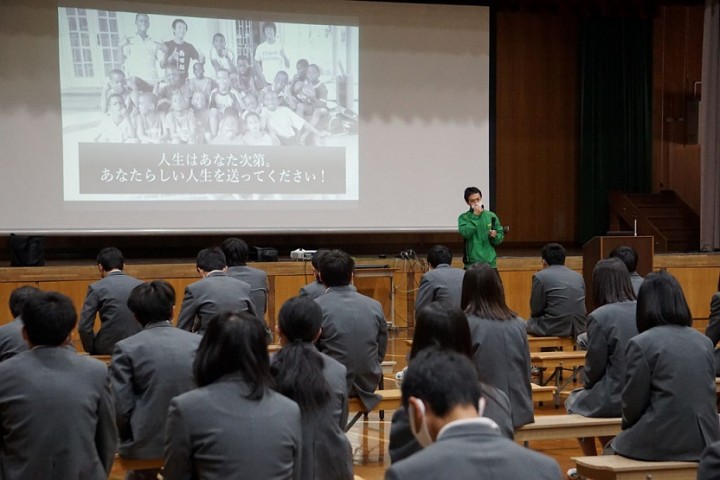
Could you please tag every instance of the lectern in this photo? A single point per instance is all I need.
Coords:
(600, 247)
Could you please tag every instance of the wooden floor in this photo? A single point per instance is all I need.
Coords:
(369, 438)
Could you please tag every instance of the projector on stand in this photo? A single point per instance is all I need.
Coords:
(301, 254)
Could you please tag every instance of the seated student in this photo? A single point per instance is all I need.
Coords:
(234, 425)
(149, 122)
(216, 292)
(713, 328)
(629, 257)
(287, 125)
(301, 68)
(147, 371)
(445, 408)
(236, 255)
(610, 326)
(317, 383)
(500, 346)
(56, 410)
(668, 402)
(11, 338)
(442, 282)
(354, 329)
(557, 298)
(437, 325)
(315, 288)
(108, 298)
(116, 126)
(180, 121)
(709, 468)
(312, 99)
(254, 135)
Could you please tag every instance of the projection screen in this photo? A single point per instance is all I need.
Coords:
(303, 117)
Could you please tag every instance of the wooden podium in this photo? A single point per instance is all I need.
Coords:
(600, 247)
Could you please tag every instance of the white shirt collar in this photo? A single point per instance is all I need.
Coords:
(468, 421)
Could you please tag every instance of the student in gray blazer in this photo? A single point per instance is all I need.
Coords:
(317, 383)
(713, 328)
(108, 297)
(500, 345)
(629, 257)
(233, 425)
(236, 255)
(147, 371)
(709, 468)
(437, 325)
(216, 292)
(11, 339)
(669, 410)
(610, 327)
(444, 407)
(315, 288)
(442, 282)
(56, 410)
(557, 298)
(354, 329)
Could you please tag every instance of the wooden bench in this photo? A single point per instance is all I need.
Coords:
(391, 400)
(615, 467)
(553, 427)
(559, 343)
(556, 362)
(543, 393)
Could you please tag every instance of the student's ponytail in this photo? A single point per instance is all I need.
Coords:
(298, 366)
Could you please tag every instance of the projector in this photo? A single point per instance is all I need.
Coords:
(301, 254)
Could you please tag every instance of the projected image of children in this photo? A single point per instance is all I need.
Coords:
(203, 82)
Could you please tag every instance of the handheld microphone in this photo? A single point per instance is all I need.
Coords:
(493, 223)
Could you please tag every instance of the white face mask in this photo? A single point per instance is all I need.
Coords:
(423, 436)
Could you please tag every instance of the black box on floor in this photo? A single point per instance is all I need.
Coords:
(263, 254)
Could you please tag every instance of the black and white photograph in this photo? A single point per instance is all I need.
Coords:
(184, 108)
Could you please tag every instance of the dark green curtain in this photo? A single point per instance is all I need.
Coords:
(615, 116)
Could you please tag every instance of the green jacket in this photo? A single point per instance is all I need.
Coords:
(475, 230)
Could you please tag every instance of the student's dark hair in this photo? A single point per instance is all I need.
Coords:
(269, 25)
(443, 379)
(439, 325)
(117, 71)
(48, 317)
(222, 70)
(336, 268)
(242, 56)
(282, 72)
(661, 302)
(235, 250)
(302, 62)
(209, 259)
(218, 35)
(483, 294)
(471, 191)
(152, 301)
(315, 66)
(628, 255)
(315, 260)
(137, 15)
(298, 366)
(611, 282)
(179, 20)
(111, 258)
(234, 342)
(439, 254)
(19, 297)
(553, 254)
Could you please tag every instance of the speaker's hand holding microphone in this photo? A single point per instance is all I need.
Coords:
(493, 230)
